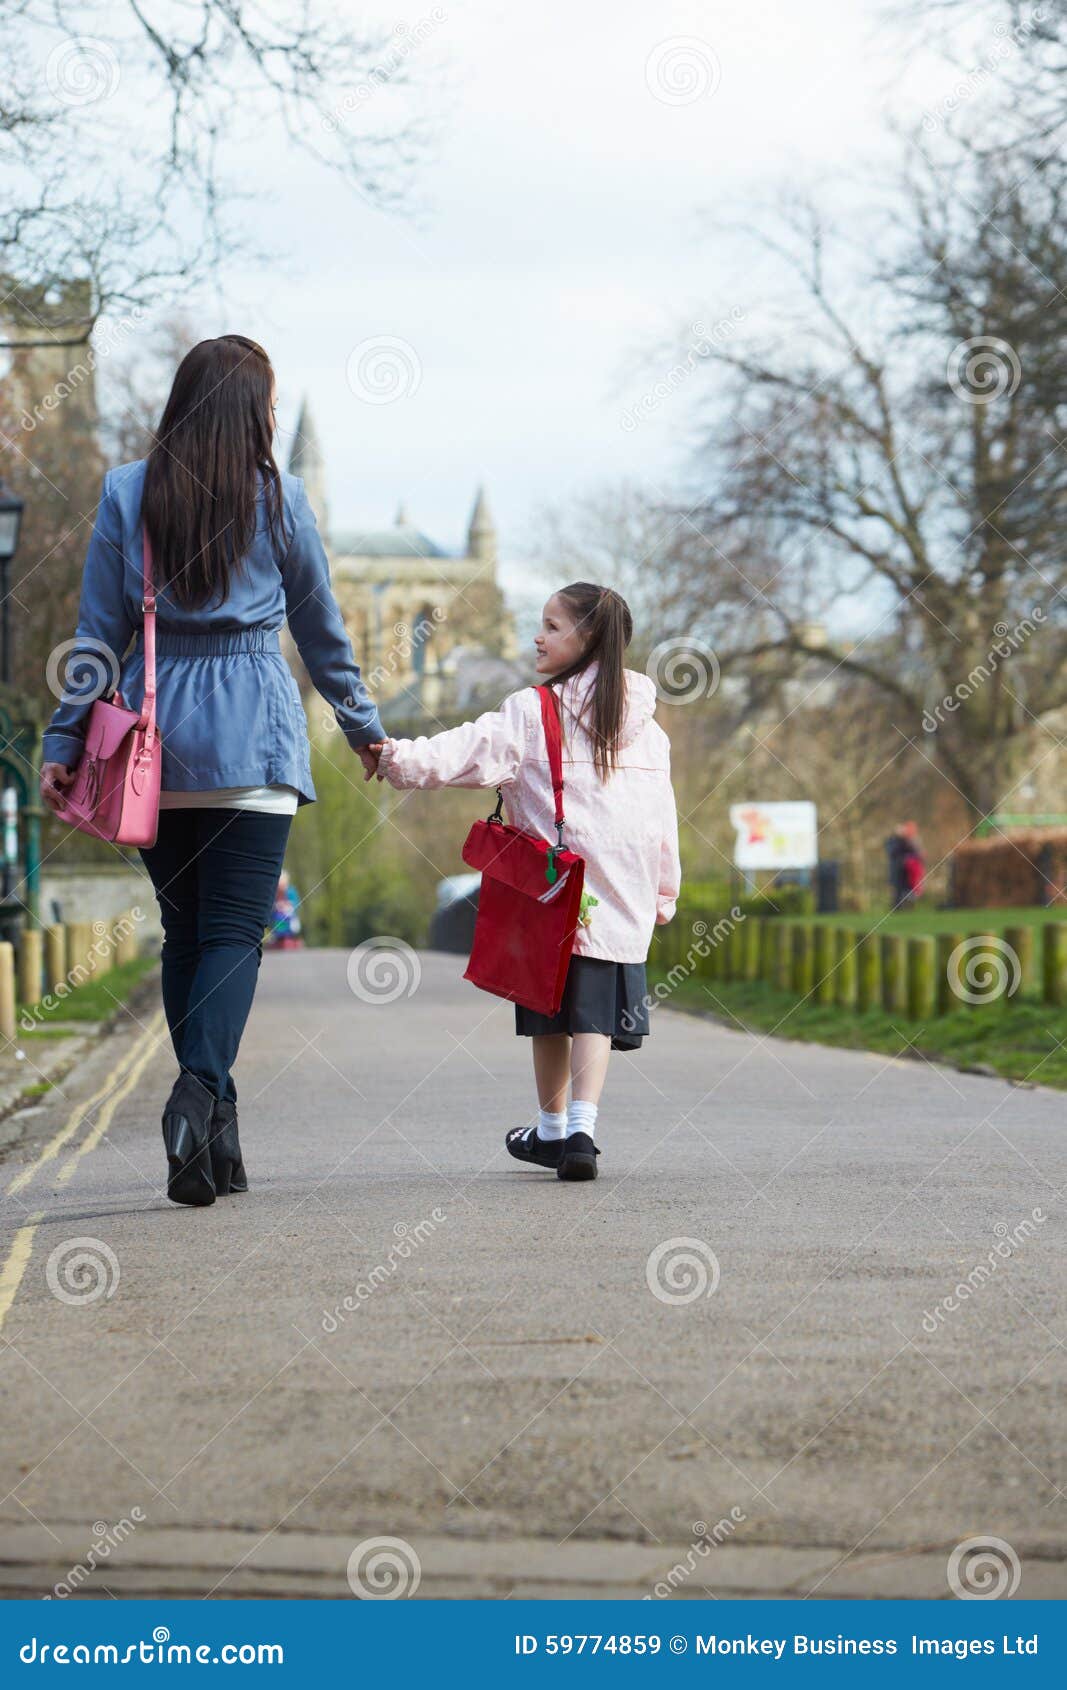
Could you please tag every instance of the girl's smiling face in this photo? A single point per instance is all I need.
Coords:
(558, 642)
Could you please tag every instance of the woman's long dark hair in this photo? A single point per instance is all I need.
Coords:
(211, 452)
(603, 620)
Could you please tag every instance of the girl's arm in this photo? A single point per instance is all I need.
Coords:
(670, 866)
(485, 752)
(103, 633)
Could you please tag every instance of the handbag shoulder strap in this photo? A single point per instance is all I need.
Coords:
(148, 607)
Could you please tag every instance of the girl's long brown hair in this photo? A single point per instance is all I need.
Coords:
(212, 450)
(603, 619)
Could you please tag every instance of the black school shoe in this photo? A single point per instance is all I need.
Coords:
(527, 1145)
(578, 1160)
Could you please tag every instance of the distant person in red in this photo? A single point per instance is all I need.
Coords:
(913, 863)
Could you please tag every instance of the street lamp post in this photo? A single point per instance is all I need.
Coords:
(11, 508)
(17, 749)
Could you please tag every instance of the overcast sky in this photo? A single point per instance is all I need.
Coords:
(576, 203)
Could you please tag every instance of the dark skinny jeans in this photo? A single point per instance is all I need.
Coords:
(215, 873)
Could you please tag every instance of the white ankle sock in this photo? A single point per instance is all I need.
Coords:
(581, 1117)
(552, 1126)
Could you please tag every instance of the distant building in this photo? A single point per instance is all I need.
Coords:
(431, 631)
(51, 365)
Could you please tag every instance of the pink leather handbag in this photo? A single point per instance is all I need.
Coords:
(115, 793)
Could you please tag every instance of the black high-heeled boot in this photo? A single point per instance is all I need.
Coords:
(187, 1139)
(226, 1161)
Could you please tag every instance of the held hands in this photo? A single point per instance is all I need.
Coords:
(55, 777)
(369, 755)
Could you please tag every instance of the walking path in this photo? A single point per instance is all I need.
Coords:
(733, 1355)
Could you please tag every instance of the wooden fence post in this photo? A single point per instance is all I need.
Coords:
(894, 974)
(803, 972)
(948, 997)
(55, 954)
(30, 966)
(845, 970)
(1054, 962)
(922, 985)
(824, 981)
(868, 973)
(7, 989)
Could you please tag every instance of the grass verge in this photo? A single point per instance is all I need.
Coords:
(924, 918)
(1021, 1039)
(95, 1000)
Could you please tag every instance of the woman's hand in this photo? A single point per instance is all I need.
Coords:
(375, 751)
(368, 756)
(55, 777)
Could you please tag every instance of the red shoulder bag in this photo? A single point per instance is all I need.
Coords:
(530, 899)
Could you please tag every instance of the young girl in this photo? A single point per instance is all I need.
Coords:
(621, 818)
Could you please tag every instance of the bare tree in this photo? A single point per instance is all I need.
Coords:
(1018, 51)
(907, 453)
(115, 162)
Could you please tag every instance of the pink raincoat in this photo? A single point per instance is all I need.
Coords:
(626, 827)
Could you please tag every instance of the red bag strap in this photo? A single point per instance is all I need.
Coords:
(148, 607)
(554, 741)
(550, 720)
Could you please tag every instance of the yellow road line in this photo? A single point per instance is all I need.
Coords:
(17, 1260)
(92, 1139)
(65, 1133)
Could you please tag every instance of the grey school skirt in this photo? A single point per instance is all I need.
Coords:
(599, 997)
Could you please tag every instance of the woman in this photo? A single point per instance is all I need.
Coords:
(235, 553)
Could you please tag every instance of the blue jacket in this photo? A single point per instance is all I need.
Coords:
(227, 703)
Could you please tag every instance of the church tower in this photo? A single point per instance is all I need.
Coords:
(47, 331)
(481, 535)
(307, 461)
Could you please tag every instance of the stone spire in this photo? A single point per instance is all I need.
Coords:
(307, 461)
(481, 535)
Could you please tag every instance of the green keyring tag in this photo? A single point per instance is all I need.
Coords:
(551, 871)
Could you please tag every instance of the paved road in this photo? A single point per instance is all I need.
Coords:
(505, 1392)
